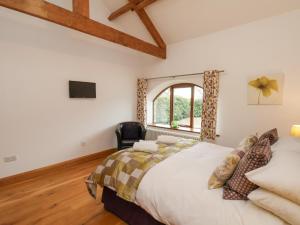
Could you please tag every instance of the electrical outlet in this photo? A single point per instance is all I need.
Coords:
(83, 144)
(10, 159)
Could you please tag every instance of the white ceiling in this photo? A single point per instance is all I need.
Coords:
(178, 20)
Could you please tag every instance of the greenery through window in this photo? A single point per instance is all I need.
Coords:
(162, 108)
(179, 106)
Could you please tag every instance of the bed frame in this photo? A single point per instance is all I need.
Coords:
(127, 211)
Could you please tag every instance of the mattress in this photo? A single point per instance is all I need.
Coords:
(175, 192)
(129, 212)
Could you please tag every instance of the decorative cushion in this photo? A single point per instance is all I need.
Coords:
(280, 176)
(238, 186)
(247, 143)
(272, 135)
(281, 207)
(224, 171)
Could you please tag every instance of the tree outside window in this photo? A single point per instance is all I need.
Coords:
(179, 105)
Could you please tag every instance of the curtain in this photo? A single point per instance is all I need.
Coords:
(142, 100)
(209, 108)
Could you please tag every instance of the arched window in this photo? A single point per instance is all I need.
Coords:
(179, 105)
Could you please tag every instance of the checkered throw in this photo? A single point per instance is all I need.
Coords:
(124, 170)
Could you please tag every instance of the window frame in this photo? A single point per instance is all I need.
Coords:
(172, 87)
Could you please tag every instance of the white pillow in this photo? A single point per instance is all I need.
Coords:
(145, 146)
(281, 207)
(286, 144)
(280, 176)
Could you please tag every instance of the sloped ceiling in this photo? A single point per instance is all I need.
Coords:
(178, 20)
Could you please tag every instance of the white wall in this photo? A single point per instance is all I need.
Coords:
(269, 46)
(39, 123)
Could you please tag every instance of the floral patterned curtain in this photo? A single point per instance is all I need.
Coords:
(209, 108)
(142, 100)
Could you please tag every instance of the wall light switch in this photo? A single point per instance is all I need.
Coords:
(10, 159)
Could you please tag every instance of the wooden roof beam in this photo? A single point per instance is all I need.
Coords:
(144, 4)
(150, 27)
(82, 7)
(53, 13)
(148, 23)
(129, 6)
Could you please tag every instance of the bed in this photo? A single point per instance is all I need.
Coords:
(174, 192)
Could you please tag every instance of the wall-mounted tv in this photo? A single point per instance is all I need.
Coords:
(79, 89)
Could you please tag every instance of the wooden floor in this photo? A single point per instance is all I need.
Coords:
(57, 198)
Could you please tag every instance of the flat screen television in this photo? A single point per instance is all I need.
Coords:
(79, 89)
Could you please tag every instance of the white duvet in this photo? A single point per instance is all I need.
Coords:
(175, 192)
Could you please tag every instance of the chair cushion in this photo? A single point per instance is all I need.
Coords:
(129, 142)
(131, 131)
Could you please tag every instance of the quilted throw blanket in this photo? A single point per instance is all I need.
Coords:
(124, 170)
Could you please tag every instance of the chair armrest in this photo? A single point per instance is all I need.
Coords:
(143, 132)
(118, 132)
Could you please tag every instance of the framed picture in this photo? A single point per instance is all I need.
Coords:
(265, 89)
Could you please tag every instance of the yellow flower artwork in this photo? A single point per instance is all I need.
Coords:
(265, 90)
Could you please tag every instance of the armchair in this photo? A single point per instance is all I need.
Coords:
(128, 133)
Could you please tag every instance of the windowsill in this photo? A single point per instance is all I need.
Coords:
(186, 129)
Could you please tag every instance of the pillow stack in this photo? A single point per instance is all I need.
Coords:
(271, 135)
(247, 143)
(278, 180)
(287, 143)
(238, 186)
(279, 185)
(224, 171)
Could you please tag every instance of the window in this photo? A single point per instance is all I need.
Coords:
(179, 106)
(162, 108)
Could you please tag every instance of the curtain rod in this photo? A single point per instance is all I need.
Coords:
(181, 75)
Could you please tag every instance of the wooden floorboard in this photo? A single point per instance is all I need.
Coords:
(59, 197)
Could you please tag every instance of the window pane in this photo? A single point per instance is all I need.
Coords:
(198, 99)
(182, 106)
(162, 108)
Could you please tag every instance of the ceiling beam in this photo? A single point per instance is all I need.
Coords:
(145, 3)
(82, 7)
(53, 13)
(129, 6)
(148, 23)
(150, 27)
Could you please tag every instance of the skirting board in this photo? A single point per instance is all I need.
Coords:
(41, 171)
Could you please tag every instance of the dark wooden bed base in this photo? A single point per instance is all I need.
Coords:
(127, 211)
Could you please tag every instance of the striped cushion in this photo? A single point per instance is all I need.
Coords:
(238, 186)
